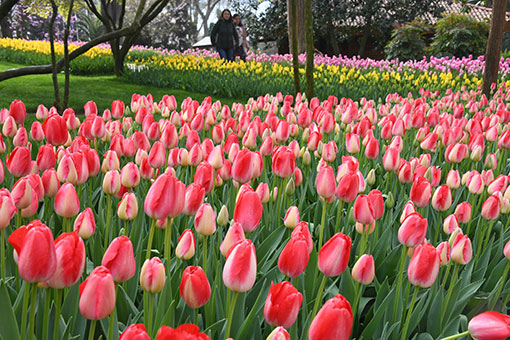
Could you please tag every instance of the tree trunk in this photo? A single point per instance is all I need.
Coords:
(309, 49)
(5, 7)
(301, 25)
(493, 52)
(5, 28)
(66, 54)
(292, 13)
(364, 38)
(332, 32)
(53, 56)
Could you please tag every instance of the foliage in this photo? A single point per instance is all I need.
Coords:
(88, 27)
(459, 35)
(408, 41)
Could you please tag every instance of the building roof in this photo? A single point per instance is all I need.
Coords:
(479, 13)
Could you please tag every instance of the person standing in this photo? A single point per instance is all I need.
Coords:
(241, 49)
(224, 36)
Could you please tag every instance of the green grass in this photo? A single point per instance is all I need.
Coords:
(38, 89)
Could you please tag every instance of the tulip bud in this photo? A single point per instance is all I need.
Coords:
(282, 304)
(371, 177)
(462, 251)
(97, 294)
(85, 224)
(240, 267)
(186, 247)
(333, 321)
(67, 203)
(205, 220)
(279, 333)
(194, 288)
(222, 219)
(424, 266)
(291, 217)
(119, 259)
(334, 255)
(490, 326)
(135, 332)
(413, 230)
(364, 270)
(443, 250)
(152, 276)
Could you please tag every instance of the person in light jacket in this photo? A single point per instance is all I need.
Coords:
(224, 36)
(241, 49)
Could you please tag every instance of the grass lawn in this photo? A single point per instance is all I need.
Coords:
(38, 89)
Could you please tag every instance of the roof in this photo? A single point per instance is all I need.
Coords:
(204, 42)
(479, 13)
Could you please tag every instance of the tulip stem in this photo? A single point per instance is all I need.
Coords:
(168, 244)
(363, 242)
(151, 237)
(399, 281)
(230, 314)
(92, 329)
(25, 310)
(112, 318)
(204, 251)
(150, 311)
(357, 298)
(323, 221)
(448, 267)
(449, 294)
(57, 315)
(480, 239)
(501, 283)
(279, 202)
(409, 313)
(2, 254)
(32, 313)
(456, 336)
(46, 314)
(108, 220)
(196, 316)
(339, 215)
(318, 298)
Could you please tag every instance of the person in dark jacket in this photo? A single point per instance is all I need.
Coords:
(224, 36)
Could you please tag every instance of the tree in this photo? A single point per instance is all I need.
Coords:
(310, 51)
(204, 9)
(300, 22)
(292, 9)
(112, 15)
(493, 53)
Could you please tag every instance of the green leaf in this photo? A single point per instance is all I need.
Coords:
(8, 323)
(369, 329)
(248, 322)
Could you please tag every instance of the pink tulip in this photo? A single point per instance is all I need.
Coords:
(240, 267)
(413, 230)
(282, 304)
(424, 266)
(186, 247)
(363, 210)
(326, 182)
(194, 289)
(248, 209)
(363, 270)
(333, 321)
(119, 259)
(490, 326)
(70, 252)
(152, 276)
(165, 198)
(85, 224)
(97, 294)
(67, 203)
(334, 255)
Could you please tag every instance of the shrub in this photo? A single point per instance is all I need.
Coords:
(460, 36)
(408, 41)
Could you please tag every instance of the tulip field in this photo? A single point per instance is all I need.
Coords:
(281, 217)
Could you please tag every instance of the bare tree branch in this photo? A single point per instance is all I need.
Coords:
(6, 7)
(46, 69)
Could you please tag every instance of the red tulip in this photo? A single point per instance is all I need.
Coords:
(375, 197)
(333, 321)
(186, 247)
(157, 155)
(325, 182)
(22, 193)
(491, 208)
(248, 209)
(413, 230)
(50, 182)
(462, 250)
(184, 332)
(136, 331)
(442, 198)
(165, 197)
(194, 288)
(363, 270)
(240, 267)
(85, 224)
(205, 220)
(19, 162)
(334, 255)
(18, 111)
(294, 256)
(204, 175)
(490, 326)
(282, 304)
(234, 235)
(424, 266)
(283, 161)
(117, 109)
(391, 159)
(243, 166)
(67, 203)
(119, 259)
(97, 294)
(463, 212)
(37, 260)
(363, 210)
(55, 130)
(348, 187)
(152, 276)
(70, 252)
(7, 208)
(421, 192)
